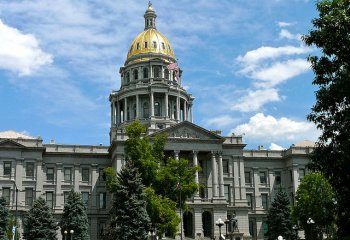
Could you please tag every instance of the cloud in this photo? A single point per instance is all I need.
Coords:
(274, 146)
(288, 35)
(220, 121)
(20, 52)
(269, 128)
(254, 100)
(285, 24)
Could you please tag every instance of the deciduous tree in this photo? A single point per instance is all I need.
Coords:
(4, 217)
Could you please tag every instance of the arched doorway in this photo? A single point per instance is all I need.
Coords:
(188, 224)
(207, 224)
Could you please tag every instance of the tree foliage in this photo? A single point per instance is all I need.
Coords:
(315, 200)
(129, 218)
(74, 217)
(331, 112)
(4, 217)
(279, 219)
(39, 222)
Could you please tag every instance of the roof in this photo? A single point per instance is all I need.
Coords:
(305, 143)
(14, 135)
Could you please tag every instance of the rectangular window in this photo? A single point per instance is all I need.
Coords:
(301, 173)
(7, 168)
(50, 175)
(262, 176)
(278, 178)
(154, 44)
(248, 179)
(29, 194)
(225, 166)
(251, 228)
(49, 199)
(227, 193)
(6, 194)
(264, 201)
(203, 192)
(163, 46)
(137, 46)
(102, 200)
(250, 200)
(30, 169)
(102, 175)
(67, 174)
(265, 227)
(65, 197)
(85, 175)
(85, 198)
(101, 229)
(146, 44)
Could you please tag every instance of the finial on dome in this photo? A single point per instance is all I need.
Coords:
(150, 17)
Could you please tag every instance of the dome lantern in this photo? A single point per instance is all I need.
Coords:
(150, 17)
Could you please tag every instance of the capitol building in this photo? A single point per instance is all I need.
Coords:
(234, 180)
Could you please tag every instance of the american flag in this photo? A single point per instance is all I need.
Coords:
(173, 66)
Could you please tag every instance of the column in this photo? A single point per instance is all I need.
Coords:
(113, 113)
(112, 117)
(137, 107)
(152, 104)
(191, 114)
(117, 112)
(185, 111)
(76, 177)
(166, 105)
(214, 175)
(125, 109)
(242, 182)
(221, 176)
(196, 178)
(176, 154)
(177, 108)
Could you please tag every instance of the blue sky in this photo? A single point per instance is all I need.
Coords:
(242, 60)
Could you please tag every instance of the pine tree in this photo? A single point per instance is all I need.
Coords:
(39, 223)
(279, 218)
(129, 218)
(4, 216)
(74, 217)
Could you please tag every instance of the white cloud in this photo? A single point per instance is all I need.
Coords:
(280, 72)
(269, 128)
(285, 24)
(286, 34)
(275, 146)
(220, 121)
(20, 52)
(254, 100)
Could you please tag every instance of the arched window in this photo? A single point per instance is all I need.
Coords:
(127, 77)
(156, 72)
(157, 111)
(136, 74)
(134, 108)
(166, 73)
(145, 73)
(145, 110)
(146, 44)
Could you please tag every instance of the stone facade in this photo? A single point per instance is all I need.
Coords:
(234, 181)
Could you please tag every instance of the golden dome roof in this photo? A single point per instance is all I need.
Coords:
(150, 42)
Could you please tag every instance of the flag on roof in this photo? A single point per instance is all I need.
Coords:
(173, 66)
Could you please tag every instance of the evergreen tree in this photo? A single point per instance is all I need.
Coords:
(279, 218)
(74, 217)
(331, 113)
(129, 218)
(39, 223)
(4, 217)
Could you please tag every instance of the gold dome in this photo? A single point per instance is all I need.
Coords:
(150, 41)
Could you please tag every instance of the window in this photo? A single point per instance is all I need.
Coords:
(146, 44)
(102, 175)
(263, 179)
(167, 74)
(30, 169)
(291, 175)
(136, 74)
(7, 168)
(201, 165)
(278, 178)
(102, 200)
(292, 198)
(163, 46)
(85, 175)
(49, 199)
(65, 197)
(301, 173)
(154, 44)
(157, 109)
(85, 198)
(50, 174)
(101, 228)
(134, 109)
(227, 193)
(29, 196)
(145, 110)
(250, 200)
(6, 194)
(127, 113)
(156, 73)
(67, 174)
(137, 46)
(248, 178)
(203, 192)
(264, 201)
(225, 166)
(251, 228)
(174, 112)
(145, 73)
(127, 77)
(265, 228)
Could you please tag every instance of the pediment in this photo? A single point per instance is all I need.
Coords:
(190, 131)
(8, 143)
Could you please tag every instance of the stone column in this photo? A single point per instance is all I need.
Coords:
(166, 105)
(176, 154)
(185, 111)
(137, 107)
(221, 177)
(112, 113)
(125, 109)
(152, 104)
(117, 113)
(196, 178)
(177, 108)
(214, 175)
